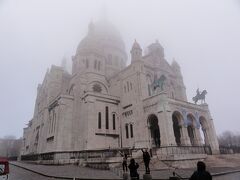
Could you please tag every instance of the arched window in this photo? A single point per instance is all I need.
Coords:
(99, 65)
(149, 90)
(126, 128)
(99, 121)
(107, 118)
(110, 59)
(54, 120)
(114, 121)
(95, 64)
(116, 60)
(87, 63)
(128, 86)
(149, 82)
(131, 130)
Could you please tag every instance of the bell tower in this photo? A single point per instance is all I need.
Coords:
(136, 52)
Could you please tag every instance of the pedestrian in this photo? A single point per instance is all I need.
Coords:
(124, 162)
(133, 166)
(201, 173)
(146, 160)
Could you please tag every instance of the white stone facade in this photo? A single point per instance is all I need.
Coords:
(104, 104)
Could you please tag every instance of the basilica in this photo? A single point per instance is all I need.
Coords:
(104, 104)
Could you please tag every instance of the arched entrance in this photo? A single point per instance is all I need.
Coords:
(154, 130)
(177, 118)
(191, 129)
(203, 123)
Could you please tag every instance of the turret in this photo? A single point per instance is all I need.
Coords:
(64, 64)
(136, 52)
(91, 28)
(181, 92)
(156, 49)
(176, 68)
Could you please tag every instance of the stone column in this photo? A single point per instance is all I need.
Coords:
(197, 138)
(162, 128)
(213, 142)
(169, 129)
(206, 138)
(185, 140)
(210, 131)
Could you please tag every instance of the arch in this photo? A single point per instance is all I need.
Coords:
(131, 130)
(171, 90)
(99, 120)
(95, 64)
(106, 117)
(177, 119)
(126, 130)
(114, 121)
(99, 65)
(71, 90)
(87, 63)
(154, 130)
(204, 128)
(191, 124)
(109, 59)
(149, 84)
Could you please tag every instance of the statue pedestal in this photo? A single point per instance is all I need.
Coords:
(125, 175)
(147, 177)
(174, 178)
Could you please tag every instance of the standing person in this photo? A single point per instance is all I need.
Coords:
(124, 162)
(133, 169)
(146, 160)
(201, 173)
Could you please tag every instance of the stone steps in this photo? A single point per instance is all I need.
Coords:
(231, 160)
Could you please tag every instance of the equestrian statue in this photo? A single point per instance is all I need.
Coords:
(199, 96)
(158, 82)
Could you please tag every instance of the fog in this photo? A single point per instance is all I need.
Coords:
(203, 36)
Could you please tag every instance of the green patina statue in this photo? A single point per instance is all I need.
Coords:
(158, 82)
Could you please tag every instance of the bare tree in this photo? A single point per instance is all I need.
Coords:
(10, 146)
(231, 140)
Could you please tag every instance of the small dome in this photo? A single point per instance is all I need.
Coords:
(136, 45)
(156, 46)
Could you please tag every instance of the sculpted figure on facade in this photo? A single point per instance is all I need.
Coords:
(200, 96)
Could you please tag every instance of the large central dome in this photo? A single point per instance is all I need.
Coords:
(101, 36)
(103, 43)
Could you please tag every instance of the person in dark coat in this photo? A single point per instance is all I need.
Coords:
(133, 166)
(146, 160)
(201, 173)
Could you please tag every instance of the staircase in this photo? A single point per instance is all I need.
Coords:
(224, 160)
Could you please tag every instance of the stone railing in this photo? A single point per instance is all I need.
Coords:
(168, 150)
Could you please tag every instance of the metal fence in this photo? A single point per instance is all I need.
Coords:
(229, 149)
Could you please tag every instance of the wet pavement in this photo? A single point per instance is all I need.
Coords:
(71, 171)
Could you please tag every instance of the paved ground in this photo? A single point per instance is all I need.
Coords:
(235, 176)
(69, 171)
(17, 173)
(186, 173)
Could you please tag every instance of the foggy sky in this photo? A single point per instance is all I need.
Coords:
(202, 35)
